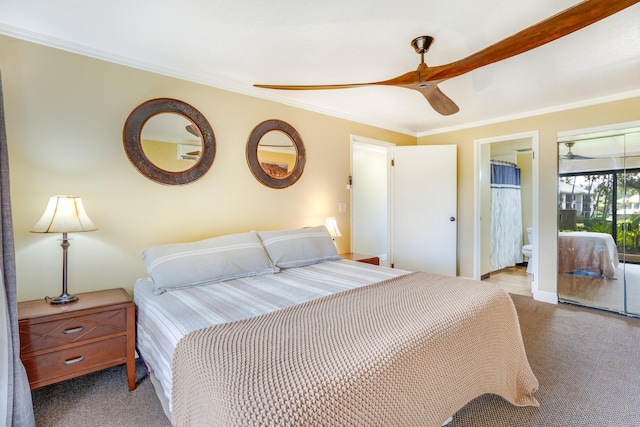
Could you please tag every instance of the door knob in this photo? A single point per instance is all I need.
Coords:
(452, 219)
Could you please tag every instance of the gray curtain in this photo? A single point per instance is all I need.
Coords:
(18, 406)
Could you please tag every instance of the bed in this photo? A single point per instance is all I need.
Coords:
(587, 253)
(303, 337)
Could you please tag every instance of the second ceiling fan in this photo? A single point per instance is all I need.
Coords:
(425, 79)
(570, 155)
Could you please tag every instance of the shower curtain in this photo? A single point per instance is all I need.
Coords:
(506, 216)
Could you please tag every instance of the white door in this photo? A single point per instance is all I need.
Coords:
(424, 209)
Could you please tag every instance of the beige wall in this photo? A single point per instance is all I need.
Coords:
(525, 163)
(548, 125)
(64, 115)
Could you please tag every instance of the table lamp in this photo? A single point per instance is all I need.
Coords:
(64, 214)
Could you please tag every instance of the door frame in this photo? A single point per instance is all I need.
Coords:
(477, 199)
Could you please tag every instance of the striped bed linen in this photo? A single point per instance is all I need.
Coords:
(164, 319)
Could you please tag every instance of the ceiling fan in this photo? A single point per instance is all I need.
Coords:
(570, 155)
(425, 79)
(193, 130)
(611, 155)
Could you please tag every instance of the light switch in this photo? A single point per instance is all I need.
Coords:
(342, 207)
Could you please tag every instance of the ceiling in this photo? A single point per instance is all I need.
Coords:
(233, 45)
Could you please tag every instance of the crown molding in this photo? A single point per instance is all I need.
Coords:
(540, 112)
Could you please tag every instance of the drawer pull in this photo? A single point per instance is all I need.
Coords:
(72, 361)
(73, 330)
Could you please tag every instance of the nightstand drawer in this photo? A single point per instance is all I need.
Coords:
(53, 333)
(367, 259)
(86, 357)
(373, 260)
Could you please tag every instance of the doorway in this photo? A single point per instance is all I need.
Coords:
(370, 206)
(518, 149)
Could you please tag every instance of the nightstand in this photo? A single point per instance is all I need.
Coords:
(362, 258)
(58, 342)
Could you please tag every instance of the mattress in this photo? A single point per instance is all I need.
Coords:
(164, 319)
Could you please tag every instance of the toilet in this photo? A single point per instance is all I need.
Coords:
(527, 250)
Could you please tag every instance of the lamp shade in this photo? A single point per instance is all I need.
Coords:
(332, 226)
(64, 214)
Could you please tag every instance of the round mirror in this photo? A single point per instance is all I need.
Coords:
(276, 154)
(169, 141)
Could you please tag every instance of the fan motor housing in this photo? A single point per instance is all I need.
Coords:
(422, 44)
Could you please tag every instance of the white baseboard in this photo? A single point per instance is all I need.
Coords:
(544, 296)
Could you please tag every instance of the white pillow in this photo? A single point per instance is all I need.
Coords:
(181, 265)
(300, 247)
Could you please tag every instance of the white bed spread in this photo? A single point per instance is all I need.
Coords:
(164, 319)
(588, 251)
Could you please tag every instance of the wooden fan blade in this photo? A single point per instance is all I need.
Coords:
(555, 27)
(438, 100)
(410, 78)
(193, 130)
(311, 87)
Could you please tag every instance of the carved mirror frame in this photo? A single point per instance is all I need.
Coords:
(252, 154)
(132, 132)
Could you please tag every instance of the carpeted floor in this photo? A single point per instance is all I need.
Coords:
(587, 363)
(618, 294)
(100, 399)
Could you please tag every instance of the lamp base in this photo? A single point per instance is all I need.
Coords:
(62, 299)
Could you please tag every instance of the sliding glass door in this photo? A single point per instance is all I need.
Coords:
(599, 220)
(631, 224)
